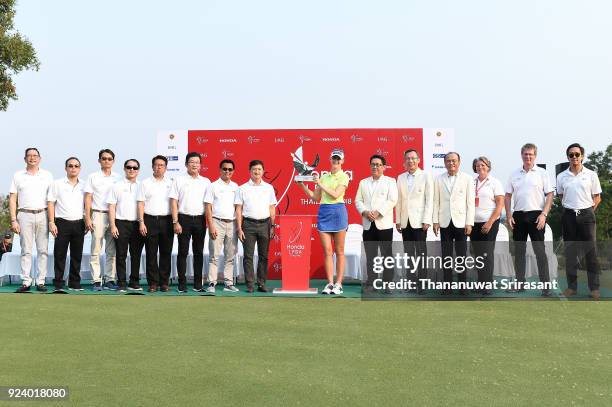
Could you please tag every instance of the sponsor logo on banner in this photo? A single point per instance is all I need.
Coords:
(303, 138)
(277, 267)
(330, 139)
(228, 140)
(356, 139)
(171, 147)
(383, 139)
(279, 140)
(171, 136)
(407, 139)
(227, 154)
(382, 152)
(201, 140)
(172, 158)
(253, 140)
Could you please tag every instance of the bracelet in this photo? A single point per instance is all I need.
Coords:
(545, 214)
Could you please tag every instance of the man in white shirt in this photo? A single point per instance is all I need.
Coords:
(97, 187)
(65, 208)
(375, 199)
(413, 213)
(187, 205)
(123, 217)
(530, 192)
(156, 224)
(453, 214)
(28, 211)
(580, 192)
(221, 217)
(255, 212)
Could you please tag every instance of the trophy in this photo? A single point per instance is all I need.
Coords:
(303, 169)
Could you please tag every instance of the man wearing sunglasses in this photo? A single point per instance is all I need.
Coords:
(28, 211)
(221, 218)
(123, 218)
(65, 207)
(96, 220)
(187, 204)
(530, 192)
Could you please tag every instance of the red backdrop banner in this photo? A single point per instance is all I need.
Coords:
(274, 148)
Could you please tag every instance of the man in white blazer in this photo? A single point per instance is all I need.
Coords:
(376, 197)
(413, 212)
(453, 213)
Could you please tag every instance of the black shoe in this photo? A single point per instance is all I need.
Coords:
(249, 289)
(182, 288)
(262, 289)
(546, 293)
(41, 288)
(23, 289)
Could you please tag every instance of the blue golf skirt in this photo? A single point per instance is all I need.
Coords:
(332, 217)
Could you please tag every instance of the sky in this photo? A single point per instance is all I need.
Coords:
(501, 73)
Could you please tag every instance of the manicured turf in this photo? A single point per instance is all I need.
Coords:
(157, 351)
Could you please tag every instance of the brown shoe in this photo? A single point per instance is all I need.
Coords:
(164, 289)
(568, 292)
(152, 288)
(595, 295)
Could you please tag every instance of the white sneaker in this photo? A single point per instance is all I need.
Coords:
(328, 289)
(211, 289)
(231, 288)
(337, 289)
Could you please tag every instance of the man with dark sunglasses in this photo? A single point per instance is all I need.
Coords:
(65, 204)
(123, 217)
(221, 217)
(96, 220)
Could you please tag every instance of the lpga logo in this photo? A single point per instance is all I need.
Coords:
(253, 140)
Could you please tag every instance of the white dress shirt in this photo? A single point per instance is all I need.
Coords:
(578, 190)
(410, 180)
(154, 193)
(529, 189)
(255, 199)
(189, 192)
(124, 194)
(221, 196)
(31, 189)
(98, 185)
(486, 192)
(69, 199)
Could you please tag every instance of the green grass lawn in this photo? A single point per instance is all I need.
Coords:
(147, 351)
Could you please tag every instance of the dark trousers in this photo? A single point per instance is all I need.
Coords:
(484, 246)
(256, 232)
(160, 236)
(374, 240)
(452, 236)
(525, 225)
(415, 246)
(194, 229)
(70, 233)
(129, 238)
(579, 237)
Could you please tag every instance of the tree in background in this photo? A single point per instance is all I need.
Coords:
(5, 217)
(601, 163)
(16, 53)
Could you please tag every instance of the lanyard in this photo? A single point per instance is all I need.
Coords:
(481, 185)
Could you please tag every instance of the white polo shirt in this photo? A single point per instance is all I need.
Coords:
(255, 199)
(124, 194)
(578, 190)
(154, 193)
(31, 189)
(221, 196)
(189, 192)
(69, 199)
(98, 185)
(487, 191)
(529, 188)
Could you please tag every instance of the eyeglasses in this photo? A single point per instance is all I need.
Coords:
(376, 165)
(106, 158)
(73, 166)
(225, 169)
(574, 155)
(131, 167)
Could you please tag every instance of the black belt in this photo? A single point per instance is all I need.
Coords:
(66, 220)
(579, 211)
(31, 210)
(157, 216)
(99, 211)
(225, 220)
(266, 220)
